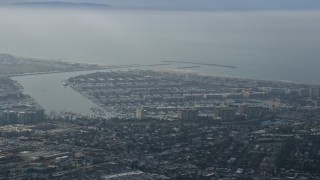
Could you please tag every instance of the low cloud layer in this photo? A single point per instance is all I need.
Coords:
(199, 4)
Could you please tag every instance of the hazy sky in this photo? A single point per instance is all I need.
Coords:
(276, 44)
(199, 4)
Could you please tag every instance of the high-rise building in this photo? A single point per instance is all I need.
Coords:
(27, 117)
(22, 117)
(188, 114)
(314, 91)
(224, 113)
(40, 115)
(251, 111)
(141, 113)
(9, 117)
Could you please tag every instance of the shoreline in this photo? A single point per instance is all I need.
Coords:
(51, 72)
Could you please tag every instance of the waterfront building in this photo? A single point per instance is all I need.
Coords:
(27, 117)
(21, 117)
(9, 117)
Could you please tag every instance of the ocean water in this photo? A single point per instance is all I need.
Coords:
(278, 45)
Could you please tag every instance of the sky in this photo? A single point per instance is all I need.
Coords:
(199, 4)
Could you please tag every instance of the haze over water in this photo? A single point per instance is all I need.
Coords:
(278, 45)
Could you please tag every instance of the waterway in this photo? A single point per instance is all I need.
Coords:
(53, 96)
(48, 90)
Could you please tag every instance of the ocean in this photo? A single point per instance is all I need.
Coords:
(277, 45)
